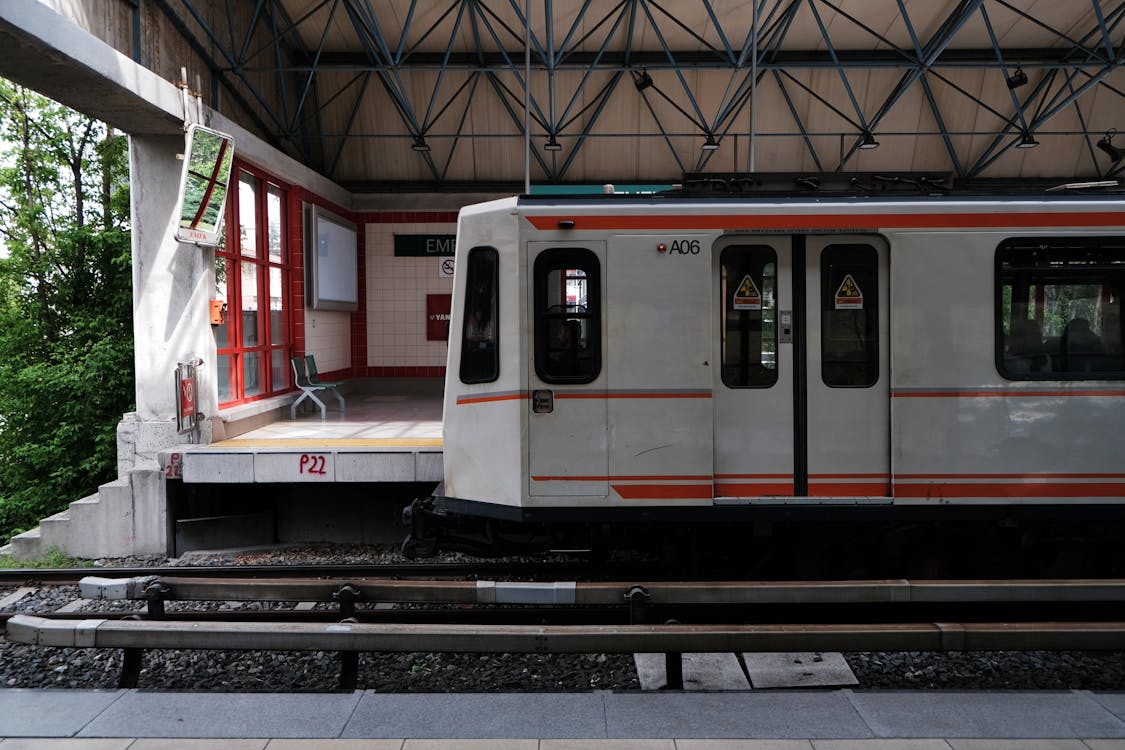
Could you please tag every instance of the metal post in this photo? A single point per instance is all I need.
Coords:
(753, 78)
(527, 98)
(346, 597)
(132, 658)
(673, 671)
(637, 597)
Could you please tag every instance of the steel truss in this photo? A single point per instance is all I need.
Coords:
(278, 84)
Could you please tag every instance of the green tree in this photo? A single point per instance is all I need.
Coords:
(66, 343)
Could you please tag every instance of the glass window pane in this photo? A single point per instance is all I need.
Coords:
(849, 318)
(247, 214)
(1060, 309)
(277, 307)
(748, 277)
(567, 316)
(251, 374)
(222, 370)
(279, 370)
(250, 335)
(480, 351)
(273, 218)
(222, 288)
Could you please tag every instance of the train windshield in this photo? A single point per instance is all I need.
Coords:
(480, 353)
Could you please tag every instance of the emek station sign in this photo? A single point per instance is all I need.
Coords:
(424, 245)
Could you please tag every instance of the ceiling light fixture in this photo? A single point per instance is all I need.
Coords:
(710, 144)
(868, 141)
(1027, 140)
(643, 81)
(1106, 145)
(1017, 79)
(420, 145)
(552, 144)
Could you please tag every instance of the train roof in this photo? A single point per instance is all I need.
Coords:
(843, 188)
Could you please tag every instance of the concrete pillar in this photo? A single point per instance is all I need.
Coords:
(172, 285)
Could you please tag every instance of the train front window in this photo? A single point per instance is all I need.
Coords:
(1059, 309)
(480, 353)
(567, 316)
(849, 318)
(748, 280)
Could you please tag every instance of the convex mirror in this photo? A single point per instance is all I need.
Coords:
(203, 186)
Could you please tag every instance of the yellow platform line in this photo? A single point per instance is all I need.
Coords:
(329, 443)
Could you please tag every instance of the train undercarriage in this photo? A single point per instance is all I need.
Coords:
(786, 542)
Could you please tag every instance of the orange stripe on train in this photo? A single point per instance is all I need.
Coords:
(663, 491)
(1010, 489)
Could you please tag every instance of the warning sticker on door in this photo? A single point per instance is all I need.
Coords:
(849, 296)
(747, 296)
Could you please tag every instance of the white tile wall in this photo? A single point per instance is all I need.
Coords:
(396, 298)
(328, 338)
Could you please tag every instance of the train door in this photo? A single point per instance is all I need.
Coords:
(659, 383)
(566, 435)
(802, 390)
(847, 431)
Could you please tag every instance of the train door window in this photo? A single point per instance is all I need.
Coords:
(480, 351)
(1058, 309)
(748, 282)
(567, 316)
(849, 317)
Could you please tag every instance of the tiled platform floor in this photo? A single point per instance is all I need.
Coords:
(406, 409)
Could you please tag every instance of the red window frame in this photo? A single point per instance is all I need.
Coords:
(254, 341)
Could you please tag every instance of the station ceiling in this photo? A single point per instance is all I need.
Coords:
(432, 94)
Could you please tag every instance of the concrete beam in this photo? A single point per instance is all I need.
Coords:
(48, 53)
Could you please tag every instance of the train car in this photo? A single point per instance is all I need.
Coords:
(625, 361)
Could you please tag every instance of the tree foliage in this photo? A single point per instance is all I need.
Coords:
(66, 337)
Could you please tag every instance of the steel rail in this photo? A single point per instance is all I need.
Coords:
(355, 637)
(736, 614)
(594, 593)
(17, 576)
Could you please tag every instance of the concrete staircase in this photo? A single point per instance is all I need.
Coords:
(101, 525)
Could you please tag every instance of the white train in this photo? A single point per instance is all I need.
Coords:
(629, 359)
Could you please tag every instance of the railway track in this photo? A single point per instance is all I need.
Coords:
(523, 570)
(353, 614)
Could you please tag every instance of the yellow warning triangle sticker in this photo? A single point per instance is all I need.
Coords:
(747, 296)
(849, 296)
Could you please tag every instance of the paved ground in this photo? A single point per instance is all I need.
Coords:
(779, 720)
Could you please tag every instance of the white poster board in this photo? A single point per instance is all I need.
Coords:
(331, 270)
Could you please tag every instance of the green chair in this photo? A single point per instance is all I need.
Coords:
(305, 378)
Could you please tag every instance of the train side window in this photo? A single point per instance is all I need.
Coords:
(567, 313)
(480, 351)
(1058, 309)
(849, 319)
(748, 282)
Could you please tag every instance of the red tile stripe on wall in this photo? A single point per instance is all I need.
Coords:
(296, 271)
(412, 371)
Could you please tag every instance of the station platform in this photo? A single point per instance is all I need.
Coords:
(388, 432)
(674, 720)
